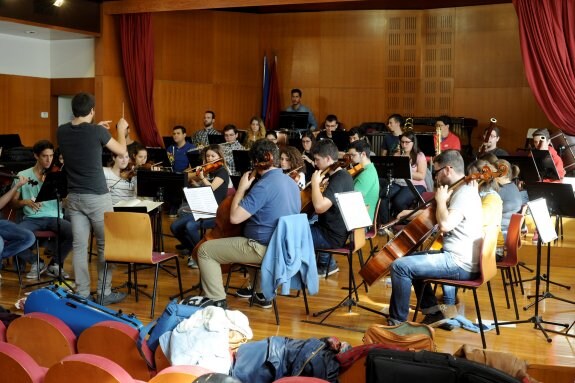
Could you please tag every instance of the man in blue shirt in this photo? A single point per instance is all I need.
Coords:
(177, 152)
(296, 106)
(259, 206)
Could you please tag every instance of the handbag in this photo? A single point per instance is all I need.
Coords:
(407, 336)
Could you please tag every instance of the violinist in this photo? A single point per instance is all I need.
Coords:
(331, 124)
(329, 231)
(307, 141)
(399, 194)
(459, 218)
(139, 157)
(186, 229)
(291, 163)
(367, 181)
(40, 216)
(256, 131)
(489, 144)
(121, 178)
(259, 205)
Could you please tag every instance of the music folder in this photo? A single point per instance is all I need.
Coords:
(353, 210)
(202, 202)
(137, 206)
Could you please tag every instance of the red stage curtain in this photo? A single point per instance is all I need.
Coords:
(273, 105)
(547, 31)
(138, 60)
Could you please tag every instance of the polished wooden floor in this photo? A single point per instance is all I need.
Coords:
(522, 339)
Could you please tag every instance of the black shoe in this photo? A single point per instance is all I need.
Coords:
(260, 301)
(446, 326)
(221, 303)
(244, 292)
(435, 319)
(181, 246)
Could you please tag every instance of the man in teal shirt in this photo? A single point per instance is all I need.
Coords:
(367, 181)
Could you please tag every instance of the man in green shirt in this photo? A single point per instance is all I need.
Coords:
(367, 181)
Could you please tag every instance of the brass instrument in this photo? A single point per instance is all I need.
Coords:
(437, 140)
(408, 126)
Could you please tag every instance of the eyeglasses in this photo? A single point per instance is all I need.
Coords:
(434, 172)
(406, 142)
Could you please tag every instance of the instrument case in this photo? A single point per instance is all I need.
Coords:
(430, 367)
(77, 312)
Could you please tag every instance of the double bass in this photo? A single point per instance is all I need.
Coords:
(417, 231)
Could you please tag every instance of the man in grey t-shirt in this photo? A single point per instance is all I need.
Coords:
(459, 217)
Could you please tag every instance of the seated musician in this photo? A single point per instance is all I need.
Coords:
(256, 131)
(330, 125)
(291, 162)
(449, 140)
(512, 200)
(459, 216)
(367, 181)
(177, 152)
(489, 144)
(120, 179)
(186, 229)
(307, 142)
(400, 195)
(390, 144)
(231, 144)
(273, 196)
(41, 215)
(139, 156)
(542, 141)
(329, 231)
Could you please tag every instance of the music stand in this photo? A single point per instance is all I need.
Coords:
(54, 187)
(426, 143)
(526, 164)
(194, 158)
(390, 168)
(242, 160)
(158, 155)
(355, 216)
(216, 139)
(293, 121)
(545, 164)
(547, 234)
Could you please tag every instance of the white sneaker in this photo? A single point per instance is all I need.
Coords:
(53, 271)
(33, 273)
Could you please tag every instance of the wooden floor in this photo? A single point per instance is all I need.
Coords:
(522, 340)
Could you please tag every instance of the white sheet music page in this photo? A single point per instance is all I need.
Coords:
(353, 209)
(202, 202)
(542, 219)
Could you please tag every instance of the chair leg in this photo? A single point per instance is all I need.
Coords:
(360, 257)
(510, 277)
(156, 272)
(230, 271)
(17, 263)
(130, 279)
(505, 283)
(274, 303)
(479, 318)
(493, 308)
(136, 292)
(103, 288)
(179, 277)
(519, 279)
(38, 259)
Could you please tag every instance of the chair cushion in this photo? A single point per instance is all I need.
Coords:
(16, 365)
(44, 234)
(452, 282)
(158, 257)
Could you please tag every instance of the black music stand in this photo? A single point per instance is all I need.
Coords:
(547, 234)
(293, 121)
(194, 158)
(426, 143)
(54, 187)
(526, 164)
(390, 168)
(545, 164)
(216, 139)
(157, 155)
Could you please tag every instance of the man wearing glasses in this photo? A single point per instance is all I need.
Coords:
(459, 218)
(448, 139)
(489, 144)
(231, 144)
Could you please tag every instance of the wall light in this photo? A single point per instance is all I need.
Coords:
(58, 3)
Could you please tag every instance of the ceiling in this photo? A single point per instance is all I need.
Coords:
(39, 33)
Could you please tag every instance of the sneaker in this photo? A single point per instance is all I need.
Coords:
(322, 270)
(535, 238)
(112, 298)
(192, 264)
(53, 271)
(244, 292)
(33, 273)
(260, 301)
(205, 302)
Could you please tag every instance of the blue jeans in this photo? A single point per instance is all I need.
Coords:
(411, 270)
(48, 223)
(17, 239)
(87, 211)
(401, 199)
(320, 242)
(187, 230)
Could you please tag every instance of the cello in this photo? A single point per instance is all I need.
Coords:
(416, 231)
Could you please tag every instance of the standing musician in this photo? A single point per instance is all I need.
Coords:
(390, 144)
(329, 231)
(41, 215)
(367, 181)
(459, 217)
(448, 139)
(273, 196)
(81, 144)
(256, 132)
(120, 177)
(186, 229)
(399, 193)
(291, 162)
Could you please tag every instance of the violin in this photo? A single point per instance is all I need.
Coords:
(305, 193)
(209, 167)
(416, 231)
(9, 177)
(129, 171)
(355, 170)
(294, 174)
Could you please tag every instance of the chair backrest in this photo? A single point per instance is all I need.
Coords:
(117, 342)
(513, 240)
(128, 237)
(358, 237)
(46, 338)
(17, 366)
(86, 368)
(179, 374)
(488, 249)
(2, 332)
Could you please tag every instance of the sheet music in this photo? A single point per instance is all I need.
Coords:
(542, 220)
(353, 210)
(202, 202)
(149, 205)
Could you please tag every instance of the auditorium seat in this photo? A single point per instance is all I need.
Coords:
(16, 366)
